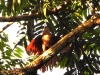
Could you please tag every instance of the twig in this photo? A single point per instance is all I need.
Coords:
(5, 27)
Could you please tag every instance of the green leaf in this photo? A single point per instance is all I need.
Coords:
(9, 7)
(63, 62)
(19, 50)
(8, 52)
(44, 10)
(18, 55)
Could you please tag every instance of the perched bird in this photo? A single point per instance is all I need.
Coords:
(40, 44)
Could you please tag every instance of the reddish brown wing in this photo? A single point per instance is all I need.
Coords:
(51, 63)
(35, 46)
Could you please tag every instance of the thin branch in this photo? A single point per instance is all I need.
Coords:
(5, 27)
(35, 15)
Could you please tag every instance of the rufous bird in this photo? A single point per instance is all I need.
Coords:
(40, 44)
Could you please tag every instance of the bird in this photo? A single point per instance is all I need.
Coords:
(40, 44)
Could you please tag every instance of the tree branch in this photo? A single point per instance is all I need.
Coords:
(5, 27)
(35, 15)
(46, 56)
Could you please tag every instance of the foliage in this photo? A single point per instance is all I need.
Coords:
(60, 23)
(10, 59)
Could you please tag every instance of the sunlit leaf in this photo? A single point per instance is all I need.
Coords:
(45, 9)
(19, 50)
(17, 55)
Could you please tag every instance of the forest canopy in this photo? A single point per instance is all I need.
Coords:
(76, 22)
